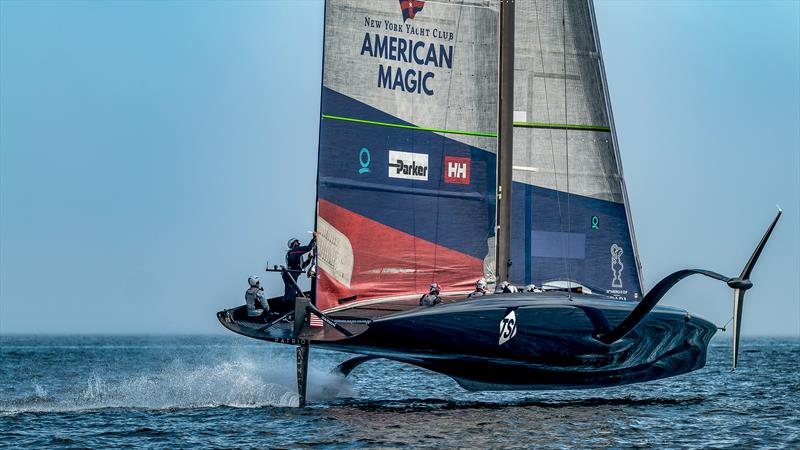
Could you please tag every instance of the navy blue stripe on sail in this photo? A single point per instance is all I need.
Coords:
(355, 166)
(597, 248)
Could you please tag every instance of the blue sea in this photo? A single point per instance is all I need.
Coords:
(229, 391)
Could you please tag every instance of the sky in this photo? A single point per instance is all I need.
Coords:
(155, 154)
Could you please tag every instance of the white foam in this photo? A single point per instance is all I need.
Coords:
(239, 383)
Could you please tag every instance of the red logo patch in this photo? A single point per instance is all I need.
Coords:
(456, 170)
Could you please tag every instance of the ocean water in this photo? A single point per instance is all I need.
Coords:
(230, 391)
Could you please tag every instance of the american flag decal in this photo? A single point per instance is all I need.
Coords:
(410, 8)
(315, 321)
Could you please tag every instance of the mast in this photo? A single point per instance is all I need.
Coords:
(505, 157)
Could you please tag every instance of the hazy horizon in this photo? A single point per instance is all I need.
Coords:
(145, 151)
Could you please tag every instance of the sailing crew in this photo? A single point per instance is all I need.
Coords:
(432, 297)
(294, 267)
(254, 297)
(480, 289)
(505, 288)
(532, 288)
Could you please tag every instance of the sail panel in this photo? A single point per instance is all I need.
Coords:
(568, 190)
(407, 156)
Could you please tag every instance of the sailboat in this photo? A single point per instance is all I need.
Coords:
(470, 139)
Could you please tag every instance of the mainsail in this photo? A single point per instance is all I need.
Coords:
(407, 155)
(570, 218)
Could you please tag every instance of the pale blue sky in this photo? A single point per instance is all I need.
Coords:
(152, 154)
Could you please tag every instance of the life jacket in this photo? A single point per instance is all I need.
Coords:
(475, 294)
(429, 300)
(251, 298)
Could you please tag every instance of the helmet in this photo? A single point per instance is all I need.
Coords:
(435, 288)
(293, 242)
(480, 284)
(253, 281)
(501, 287)
(512, 288)
(530, 288)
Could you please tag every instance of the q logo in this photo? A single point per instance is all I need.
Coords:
(364, 159)
(595, 222)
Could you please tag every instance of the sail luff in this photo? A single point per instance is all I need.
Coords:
(314, 283)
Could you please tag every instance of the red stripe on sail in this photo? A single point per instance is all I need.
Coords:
(388, 262)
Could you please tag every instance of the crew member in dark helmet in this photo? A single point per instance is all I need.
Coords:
(294, 267)
(432, 297)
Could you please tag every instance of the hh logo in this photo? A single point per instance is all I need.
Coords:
(410, 8)
(508, 327)
(456, 170)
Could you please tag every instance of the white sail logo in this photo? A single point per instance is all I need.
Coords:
(334, 252)
(616, 266)
(410, 166)
(508, 327)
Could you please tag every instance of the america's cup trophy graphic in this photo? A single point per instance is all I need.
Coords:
(616, 266)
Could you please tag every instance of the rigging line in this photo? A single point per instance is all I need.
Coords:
(441, 179)
(566, 146)
(723, 328)
(413, 219)
(550, 131)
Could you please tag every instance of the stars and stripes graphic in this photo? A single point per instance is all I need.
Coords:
(315, 321)
(410, 8)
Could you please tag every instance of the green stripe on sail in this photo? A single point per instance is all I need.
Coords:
(408, 127)
(561, 126)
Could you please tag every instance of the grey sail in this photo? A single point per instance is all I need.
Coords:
(570, 220)
(407, 153)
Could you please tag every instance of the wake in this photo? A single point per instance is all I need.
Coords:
(238, 383)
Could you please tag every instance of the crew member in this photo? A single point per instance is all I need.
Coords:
(294, 267)
(432, 297)
(254, 297)
(480, 289)
(505, 288)
(532, 288)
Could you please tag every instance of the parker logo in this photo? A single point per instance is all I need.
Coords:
(456, 170)
(410, 166)
(410, 8)
(508, 327)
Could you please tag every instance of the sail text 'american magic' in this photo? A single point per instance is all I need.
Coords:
(393, 48)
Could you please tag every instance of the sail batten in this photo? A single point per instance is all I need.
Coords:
(409, 127)
(562, 126)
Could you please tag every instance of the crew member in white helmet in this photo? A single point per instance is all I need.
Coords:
(254, 297)
(505, 288)
(480, 289)
(432, 297)
(532, 288)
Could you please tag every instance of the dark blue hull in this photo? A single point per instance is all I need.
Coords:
(552, 346)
